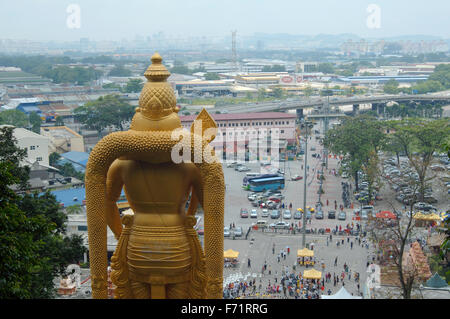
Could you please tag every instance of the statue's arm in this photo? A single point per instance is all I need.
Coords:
(213, 205)
(114, 184)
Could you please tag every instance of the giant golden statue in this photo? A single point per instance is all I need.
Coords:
(158, 254)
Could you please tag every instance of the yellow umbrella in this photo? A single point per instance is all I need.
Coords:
(312, 274)
(230, 253)
(300, 209)
(305, 252)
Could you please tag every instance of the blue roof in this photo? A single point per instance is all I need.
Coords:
(77, 157)
(66, 196)
(280, 178)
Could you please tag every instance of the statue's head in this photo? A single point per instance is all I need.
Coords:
(157, 109)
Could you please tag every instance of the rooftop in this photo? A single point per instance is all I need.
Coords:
(242, 116)
(61, 132)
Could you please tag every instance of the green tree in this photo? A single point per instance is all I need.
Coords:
(358, 140)
(308, 91)
(34, 248)
(391, 87)
(35, 121)
(278, 93)
(74, 209)
(211, 76)
(261, 94)
(429, 86)
(14, 117)
(442, 75)
(326, 68)
(134, 86)
(53, 159)
(419, 140)
(119, 70)
(59, 121)
(274, 68)
(106, 111)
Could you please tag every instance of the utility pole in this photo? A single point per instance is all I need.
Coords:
(304, 186)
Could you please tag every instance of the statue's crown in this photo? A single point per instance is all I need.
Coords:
(157, 99)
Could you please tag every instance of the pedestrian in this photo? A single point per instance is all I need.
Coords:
(351, 245)
(248, 262)
(270, 270)
(335, 261)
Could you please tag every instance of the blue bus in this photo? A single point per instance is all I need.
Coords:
(247, 179)
(263, 184)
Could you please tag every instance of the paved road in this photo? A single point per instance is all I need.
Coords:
(259, 245)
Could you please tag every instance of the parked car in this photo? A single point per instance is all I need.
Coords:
(280, 225)
(265, 213)
(319, 214)
(226, 232)
(287, 214)
(342, 216)
(253, 213)
(308, 215)
(296, 178)
(243, 168)
(364, 215)
(238, 231)
(297, 215)
(231, 164)
(244, 213)
(275, 214)
(261, 223)
(331, 214)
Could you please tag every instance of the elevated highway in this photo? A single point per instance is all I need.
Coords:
(334, 102)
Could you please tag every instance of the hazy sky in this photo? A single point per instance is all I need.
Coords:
(118, 19)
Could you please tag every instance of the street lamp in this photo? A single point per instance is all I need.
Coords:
(304, 187)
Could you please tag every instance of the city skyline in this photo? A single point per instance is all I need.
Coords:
(47, 20)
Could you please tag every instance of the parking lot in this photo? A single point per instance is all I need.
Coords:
(258, 246)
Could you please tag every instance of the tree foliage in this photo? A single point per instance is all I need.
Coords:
(106, 111)
(14, 117)
(134, 86)
(419, 139)
(274, 68)
(358, 140)
(119, 70)
(34, 248)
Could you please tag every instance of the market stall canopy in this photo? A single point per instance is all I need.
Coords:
(230, 253)
(312, 274)
(436, 282)
(386, 214)
(430, 217)
(305, 252)
(341, 294)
